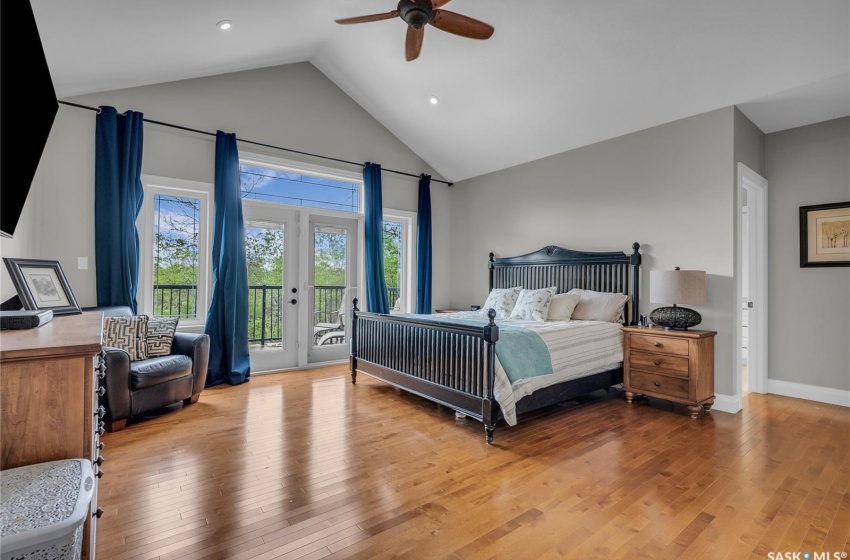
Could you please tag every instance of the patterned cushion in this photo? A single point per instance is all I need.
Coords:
(533, 305)
(502, 300)
(160, 334)
(128, 334)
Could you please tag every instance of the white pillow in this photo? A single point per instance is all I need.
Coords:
(599, 306)
(533, 305)
(562, 306)
(502, 300)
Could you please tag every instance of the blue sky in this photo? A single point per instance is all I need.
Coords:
(283, 187)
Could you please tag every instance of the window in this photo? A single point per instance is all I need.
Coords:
(398, 260)
(272, 183)
(173, 274)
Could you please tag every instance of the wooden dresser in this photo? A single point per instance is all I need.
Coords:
(49, 377)
(672, 365)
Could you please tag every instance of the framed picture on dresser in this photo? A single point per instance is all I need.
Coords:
(42, 285)
(825, 235)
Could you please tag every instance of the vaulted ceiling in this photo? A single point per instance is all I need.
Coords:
(556, 75)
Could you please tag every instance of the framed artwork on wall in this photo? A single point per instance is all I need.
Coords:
(825, 235)
(42, 285)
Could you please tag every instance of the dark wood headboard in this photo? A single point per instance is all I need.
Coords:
(568, 269)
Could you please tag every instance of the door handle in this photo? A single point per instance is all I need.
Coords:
(293, 301)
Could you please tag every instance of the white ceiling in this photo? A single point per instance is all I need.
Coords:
(556, 75)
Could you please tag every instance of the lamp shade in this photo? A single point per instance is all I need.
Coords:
(677, 286)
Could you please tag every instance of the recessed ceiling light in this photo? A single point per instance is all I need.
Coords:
(224, 25)
(434, 100)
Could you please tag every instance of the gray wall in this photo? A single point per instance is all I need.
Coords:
(670, 187)
(809, 313)
(292, 106)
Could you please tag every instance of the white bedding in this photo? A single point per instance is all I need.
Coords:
(577, 349)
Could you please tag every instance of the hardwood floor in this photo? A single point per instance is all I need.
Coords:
(305, 465)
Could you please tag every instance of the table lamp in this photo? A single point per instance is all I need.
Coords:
(676, 286)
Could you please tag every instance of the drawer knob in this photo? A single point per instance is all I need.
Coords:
(99, 461)
(657, 345)
(99, 473)
(97, 513)
(101, 445)
(101, 431)
(657, 383)
(658, 362)
(100, 412)
(101, 390)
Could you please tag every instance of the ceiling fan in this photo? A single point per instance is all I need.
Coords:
(418, 13)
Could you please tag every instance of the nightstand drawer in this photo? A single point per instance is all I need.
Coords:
(661, 384)
(664, 344)
(661, 363)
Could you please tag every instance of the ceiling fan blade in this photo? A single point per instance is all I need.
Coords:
(461, 25)
(438, 3)
(367, 19)
(413, 44)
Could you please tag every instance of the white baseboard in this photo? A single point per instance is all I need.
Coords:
(809, 392)
(727, 403)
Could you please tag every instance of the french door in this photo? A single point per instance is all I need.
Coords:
(332, 273)
(302, 275)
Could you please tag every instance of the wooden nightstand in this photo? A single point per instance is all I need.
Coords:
(672, 365)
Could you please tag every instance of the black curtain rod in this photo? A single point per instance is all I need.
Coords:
(204, 132)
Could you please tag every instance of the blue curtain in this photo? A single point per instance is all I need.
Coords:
(377, 300)
(423, 246)
(227, 318)
(118, 197)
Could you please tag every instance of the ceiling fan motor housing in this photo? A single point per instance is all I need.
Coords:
(416, 13)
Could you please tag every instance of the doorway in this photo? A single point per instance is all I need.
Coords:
(751, 290)
(302, 275)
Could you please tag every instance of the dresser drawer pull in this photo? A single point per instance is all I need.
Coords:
(101, 390)
(99, 461)
(101, 445)
(657, 345)
(100, 412)
(657, 383)
(658, 362)
(101, 374)
(101, 430)
(97, 513)
(99, 473)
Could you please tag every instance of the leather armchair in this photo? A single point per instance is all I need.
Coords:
(135, 388)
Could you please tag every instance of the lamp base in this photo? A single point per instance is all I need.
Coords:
(674, 317)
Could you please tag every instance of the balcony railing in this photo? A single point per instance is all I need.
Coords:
(264, 307)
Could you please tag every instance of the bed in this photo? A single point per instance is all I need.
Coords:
(452, 360)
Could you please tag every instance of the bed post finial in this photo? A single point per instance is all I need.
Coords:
(491, 313)
(636, 246)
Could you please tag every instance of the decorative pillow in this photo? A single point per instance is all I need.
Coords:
(533, 305)
(127, 333)
(160, 334)
(599, 306)
(562, 306)
(502, 300)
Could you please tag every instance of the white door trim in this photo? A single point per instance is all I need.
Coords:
(756, 190)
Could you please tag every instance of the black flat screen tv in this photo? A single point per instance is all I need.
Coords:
(28, 107)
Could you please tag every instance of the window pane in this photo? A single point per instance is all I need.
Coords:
(297, 189)
(329, 271)
(264, 251)
(392, 263)
(175, 270)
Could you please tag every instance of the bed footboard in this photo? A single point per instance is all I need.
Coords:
(449, 364)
